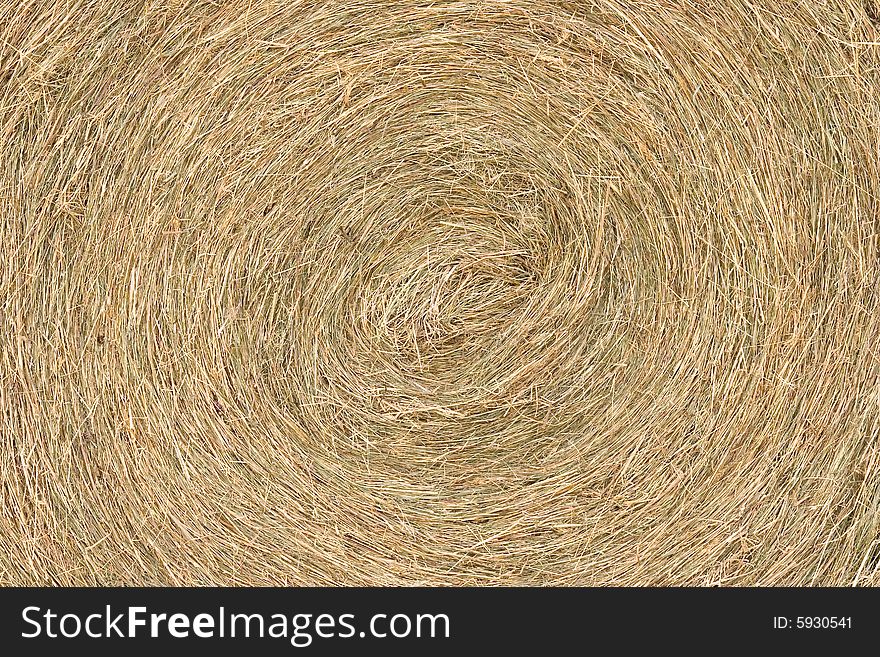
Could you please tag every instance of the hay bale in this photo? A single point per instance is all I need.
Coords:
(471, 292)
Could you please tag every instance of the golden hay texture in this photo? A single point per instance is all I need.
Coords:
(475, 292)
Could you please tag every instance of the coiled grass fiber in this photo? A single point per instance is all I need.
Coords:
(468, 292)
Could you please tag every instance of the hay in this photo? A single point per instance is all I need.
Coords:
(439, 292)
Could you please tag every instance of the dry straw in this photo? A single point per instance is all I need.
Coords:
(478, 292)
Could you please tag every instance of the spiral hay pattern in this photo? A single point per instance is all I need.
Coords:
(474, 292)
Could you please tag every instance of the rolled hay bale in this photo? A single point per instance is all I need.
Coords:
(470, 292)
